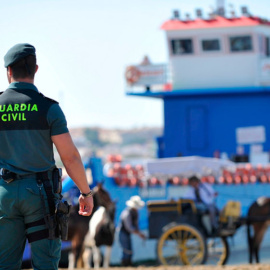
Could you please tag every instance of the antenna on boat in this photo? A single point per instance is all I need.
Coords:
(232, 10)
(220, 9)
(199, 13)
(211, 13)
(176, 15)
(245, 11)
(187, 17)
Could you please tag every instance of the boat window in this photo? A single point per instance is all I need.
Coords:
(182, 46)
(210, 45)
(267, 46)
(241, 43)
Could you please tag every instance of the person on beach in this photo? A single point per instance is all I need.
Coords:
(204, 196)
(30, 190)
(129, 225)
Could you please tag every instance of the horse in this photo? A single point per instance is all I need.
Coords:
(101, 232)
(79, 225)
(259, 218)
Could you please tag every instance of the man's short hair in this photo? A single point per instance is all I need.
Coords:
(24, 68)
(193, 179)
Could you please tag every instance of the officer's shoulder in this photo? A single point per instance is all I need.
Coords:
(49, 99)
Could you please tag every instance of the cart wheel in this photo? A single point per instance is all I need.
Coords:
(182, 244)
(217, 250)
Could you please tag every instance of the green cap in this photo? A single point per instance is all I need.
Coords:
(18, 52)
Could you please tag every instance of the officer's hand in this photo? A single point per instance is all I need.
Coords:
(86, 205)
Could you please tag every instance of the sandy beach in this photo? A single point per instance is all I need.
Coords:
(229, 267)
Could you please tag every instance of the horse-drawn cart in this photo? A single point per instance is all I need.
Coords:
(185, 236)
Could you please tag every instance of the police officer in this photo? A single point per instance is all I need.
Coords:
(30, 124)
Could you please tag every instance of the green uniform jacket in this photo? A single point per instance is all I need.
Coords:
(27, 121)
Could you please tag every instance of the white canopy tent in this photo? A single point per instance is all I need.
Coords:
(188, 166)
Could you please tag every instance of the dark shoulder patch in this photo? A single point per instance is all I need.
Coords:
(1, 92)
(50, 99)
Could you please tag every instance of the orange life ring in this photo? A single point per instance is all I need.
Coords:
(132, 74)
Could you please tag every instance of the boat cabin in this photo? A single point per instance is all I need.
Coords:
(217, 90)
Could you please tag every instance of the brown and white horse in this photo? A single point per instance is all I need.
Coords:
(79, 225)
(259, 218)
(101, 233)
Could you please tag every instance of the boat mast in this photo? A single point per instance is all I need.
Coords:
(220, 7)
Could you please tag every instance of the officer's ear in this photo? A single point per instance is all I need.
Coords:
(9, 71)
(36, 68)
(9, 74)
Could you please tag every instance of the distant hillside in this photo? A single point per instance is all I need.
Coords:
(135, 142)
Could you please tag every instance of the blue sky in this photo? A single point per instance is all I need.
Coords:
(83, 47)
